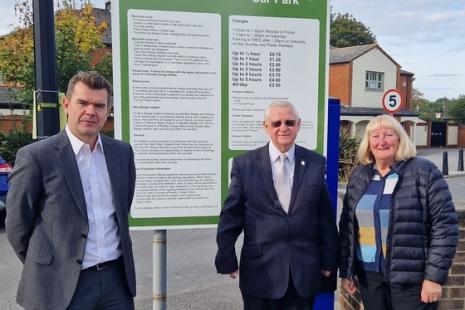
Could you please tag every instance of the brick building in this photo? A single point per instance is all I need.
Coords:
(359, 76)
(12, 112)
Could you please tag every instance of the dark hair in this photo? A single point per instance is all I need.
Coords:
(93, 80)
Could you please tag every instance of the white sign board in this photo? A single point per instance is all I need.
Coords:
(174, 90)
(271, 58)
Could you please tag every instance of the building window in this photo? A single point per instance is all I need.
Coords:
(374, 80)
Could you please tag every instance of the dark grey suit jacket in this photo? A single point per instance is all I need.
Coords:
(278, 244)
(46, 219)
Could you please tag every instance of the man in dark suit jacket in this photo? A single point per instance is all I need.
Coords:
(290, 235)
(67, 209)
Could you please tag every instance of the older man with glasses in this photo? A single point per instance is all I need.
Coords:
(278, 198)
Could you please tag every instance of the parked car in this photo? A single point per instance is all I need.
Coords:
(5, 170)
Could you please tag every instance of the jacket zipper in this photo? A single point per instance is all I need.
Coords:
(387, 261)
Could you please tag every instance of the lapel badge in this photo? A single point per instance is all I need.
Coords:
(302, 163)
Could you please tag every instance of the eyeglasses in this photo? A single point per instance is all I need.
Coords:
(288, 123)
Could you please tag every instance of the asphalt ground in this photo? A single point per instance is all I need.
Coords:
(436, 156)
(455, 178)
(192, 281)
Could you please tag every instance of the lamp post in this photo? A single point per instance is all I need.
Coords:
(46, 84)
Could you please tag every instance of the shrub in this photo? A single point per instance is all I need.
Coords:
(11, 142)
(348, 147)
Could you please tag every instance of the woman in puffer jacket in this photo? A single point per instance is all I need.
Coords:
(398, 227)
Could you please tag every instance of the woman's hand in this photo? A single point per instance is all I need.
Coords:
(325, 273)
(349, 285)
(234, 274)
(430, 291)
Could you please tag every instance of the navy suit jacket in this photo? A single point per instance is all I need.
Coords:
(276, 243)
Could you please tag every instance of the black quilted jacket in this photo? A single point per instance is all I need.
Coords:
(423, 229)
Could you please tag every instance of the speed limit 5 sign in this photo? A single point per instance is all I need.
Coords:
(392, 101)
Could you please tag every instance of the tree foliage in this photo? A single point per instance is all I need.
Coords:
(417, 99)
(346, 30)
(11, 142)
(427, 110)
(77, 35)
(105, 67)
(443, 101)
(431, 111)
(17, 63)
(456, 109)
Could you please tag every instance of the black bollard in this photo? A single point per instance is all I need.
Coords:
(445, 164)
(460, 164)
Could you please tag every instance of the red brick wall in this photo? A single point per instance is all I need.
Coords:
(11, 122)
(109, 125)
(461, 136)
(98, 54)
(454, 290)
(340, 76)
(405, 86)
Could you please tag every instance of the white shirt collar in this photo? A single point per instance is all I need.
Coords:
(274, 152)
(77, 143)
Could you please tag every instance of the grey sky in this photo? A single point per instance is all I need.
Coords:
(425, 37)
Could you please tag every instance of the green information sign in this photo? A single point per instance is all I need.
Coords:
(192, 80)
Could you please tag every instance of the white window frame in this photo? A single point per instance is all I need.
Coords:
(374, 80)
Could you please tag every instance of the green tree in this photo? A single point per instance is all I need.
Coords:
(105, 67)
(346, 30)
(456, 109)
(11, 142)
(77, 35)
(427, 110)
(443, 101)
(17, 63)
(430, 111)
(417, 99)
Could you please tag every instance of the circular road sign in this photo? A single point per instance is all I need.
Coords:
(392, 101)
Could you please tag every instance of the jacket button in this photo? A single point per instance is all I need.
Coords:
(83, 236)
(79, 261)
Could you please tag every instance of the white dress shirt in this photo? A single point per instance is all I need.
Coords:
(274, 158)
(103, 242)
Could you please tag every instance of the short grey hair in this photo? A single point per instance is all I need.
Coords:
(281, 104)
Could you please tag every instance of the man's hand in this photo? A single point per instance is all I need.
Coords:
(326, 273)
(349, 285)
(234, 274)
(430, 291)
